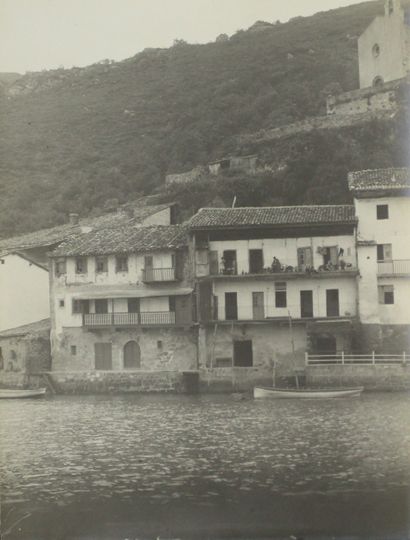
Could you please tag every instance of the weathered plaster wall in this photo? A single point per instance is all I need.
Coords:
(244, 289)
(161, 348)
(359, 101)
(24, 293)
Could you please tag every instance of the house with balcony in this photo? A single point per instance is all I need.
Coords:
(273, 283)
(382, 202)
(122, 300)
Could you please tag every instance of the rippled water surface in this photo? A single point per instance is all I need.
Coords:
(145, 466)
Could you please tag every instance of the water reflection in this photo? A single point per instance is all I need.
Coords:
(200, 451)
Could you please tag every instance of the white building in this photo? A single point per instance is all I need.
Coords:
(382, 202)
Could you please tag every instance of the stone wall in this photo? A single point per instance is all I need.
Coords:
(160, 348)
(235, 379)
(379, 377)
(112, 382)
(25, 353)
(365, 100)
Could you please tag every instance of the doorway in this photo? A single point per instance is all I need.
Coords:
(332, 303)
(132, 355)
(231, 306)
(242, 353)
(306, 304)
(258, 306)
(255, 261)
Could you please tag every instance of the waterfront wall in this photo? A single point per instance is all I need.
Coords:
(394, 377)
(235, 379)
(118, 382)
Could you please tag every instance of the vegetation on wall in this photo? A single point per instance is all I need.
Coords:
(71, 140)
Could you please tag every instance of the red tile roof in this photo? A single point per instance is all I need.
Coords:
(379, 179)
(272, 216)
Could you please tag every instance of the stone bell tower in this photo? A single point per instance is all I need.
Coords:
(384, 47)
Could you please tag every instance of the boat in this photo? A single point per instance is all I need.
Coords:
(20, 393)
(305, 393)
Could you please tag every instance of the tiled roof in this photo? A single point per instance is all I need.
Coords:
(272, 216)
(379, 179)
(127, 239)
(33, 328)
(54, 235)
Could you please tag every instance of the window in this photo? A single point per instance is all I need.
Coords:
(171, 303)
(121, 263)
(173, 260)
(384, 252)
(332, 303)
(73, 350)
(306, 304)
(231, 306)
(280, 294)
(382, 211)
(61, 303)
(305, 259)
(101, 265)
(81, 306)
(80, 265)
(101, 305)
(386, 294)
(59, 267)
(228, 262)
(133, 305)
(376, 50)
(159, 345)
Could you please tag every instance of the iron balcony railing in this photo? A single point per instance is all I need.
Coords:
(398, 266)
(158, 318)
(285, 271)
(154, 275)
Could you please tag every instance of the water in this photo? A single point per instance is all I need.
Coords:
(207, 466)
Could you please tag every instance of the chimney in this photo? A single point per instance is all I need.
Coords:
(73, 218)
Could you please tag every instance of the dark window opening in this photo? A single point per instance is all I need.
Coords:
(223, 362)
(121, 263)
(306, 304)
(332, 303)
(61, 303)
(73, 350)
(255, 261)
(101, 305)
(231, 306)
(280, 294)
(171, 303)
(382, 211)
(101, 265)
(325, 344)
(60, 267)
(81, 306)
(133, 305)
(386, 294)
(384, 252)
(81, 265)
(228, 262)
(242, 353)
(159, 345)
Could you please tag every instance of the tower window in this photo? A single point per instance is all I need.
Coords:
(376, 50)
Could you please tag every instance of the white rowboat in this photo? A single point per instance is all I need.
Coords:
(306, 393)
(17, 393)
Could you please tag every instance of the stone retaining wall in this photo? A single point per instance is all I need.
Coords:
(117, 382)
(394, 377)
(215, 380)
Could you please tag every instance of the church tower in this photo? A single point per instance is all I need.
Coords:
(384, 47)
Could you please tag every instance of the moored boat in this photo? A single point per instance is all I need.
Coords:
(20, 393)
(305, 393)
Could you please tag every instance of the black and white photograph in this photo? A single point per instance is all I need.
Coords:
(204, 270)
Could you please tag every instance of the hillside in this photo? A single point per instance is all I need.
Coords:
(71, 140)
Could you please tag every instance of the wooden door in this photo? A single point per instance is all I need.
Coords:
(258, 306)
(332, 302)
(242, 353)
(255, 261)
(132, 355)
(306, 304)
(103, 356)
(231, 306)
(133, 305)
(148, 267)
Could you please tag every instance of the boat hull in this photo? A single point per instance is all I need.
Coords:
(303, 393)
(16, 393)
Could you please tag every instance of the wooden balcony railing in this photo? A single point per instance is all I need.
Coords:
(398, 266)
(158, 318)
(154, 275)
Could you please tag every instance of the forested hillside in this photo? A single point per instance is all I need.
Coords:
(75, 140)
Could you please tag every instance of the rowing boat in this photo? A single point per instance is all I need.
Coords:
(306, 393)
(19, 393)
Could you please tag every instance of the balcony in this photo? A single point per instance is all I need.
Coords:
(158, 275)
(398, 267)
(158, 318)
(289, 272)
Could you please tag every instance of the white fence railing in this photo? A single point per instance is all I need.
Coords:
(343, 359)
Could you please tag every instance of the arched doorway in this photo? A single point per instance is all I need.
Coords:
(132, 355)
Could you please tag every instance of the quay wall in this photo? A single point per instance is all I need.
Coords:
(378, 377)
(118, 382)
(225, 380)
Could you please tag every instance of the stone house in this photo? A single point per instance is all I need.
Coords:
(122, 301)
(382, 203)
(24, 287)
(273, 283)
